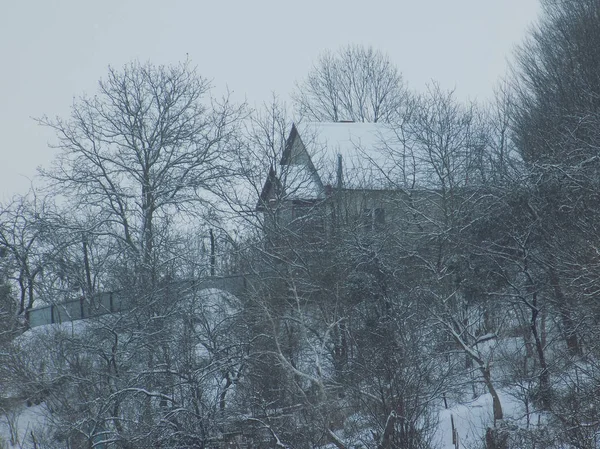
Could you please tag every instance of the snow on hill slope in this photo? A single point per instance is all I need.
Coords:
(21, 426)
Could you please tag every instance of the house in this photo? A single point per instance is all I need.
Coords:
(368, 175)
(333, 173)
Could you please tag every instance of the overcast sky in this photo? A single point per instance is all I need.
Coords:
(54, 50)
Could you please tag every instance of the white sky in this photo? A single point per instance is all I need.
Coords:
(54, 50)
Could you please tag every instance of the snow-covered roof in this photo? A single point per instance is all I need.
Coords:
(359, 147)
(359, 156)
(340, 154)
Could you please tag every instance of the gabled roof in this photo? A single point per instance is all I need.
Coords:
(349, 155)
(270, 189)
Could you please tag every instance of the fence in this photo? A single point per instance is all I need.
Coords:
(115, 302)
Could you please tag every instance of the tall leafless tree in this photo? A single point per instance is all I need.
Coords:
(136, 162)
(151, 143)
(356, 83)
(555, 124)
(24, 225)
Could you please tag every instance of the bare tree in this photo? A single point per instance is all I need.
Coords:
(556, 81)
(8, 306)
(356, 83)
(555, 126)
(448, 142)
(147, 146)
(264, 135)
(136, 163)
(23, 227)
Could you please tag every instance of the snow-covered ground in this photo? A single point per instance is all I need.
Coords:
(21, 425)
(470, 418)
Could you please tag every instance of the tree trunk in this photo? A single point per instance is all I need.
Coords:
(212, 252)
(564, 307)
(386, 438)
(86, 265)
(496, 404)
(544, 373)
